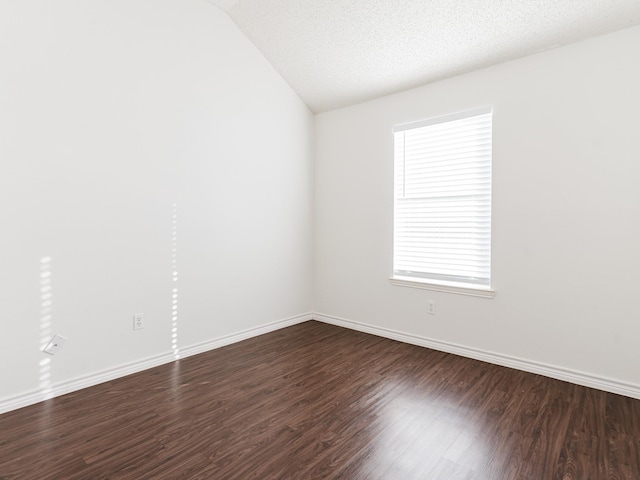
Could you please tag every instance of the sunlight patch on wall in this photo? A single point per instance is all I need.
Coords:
(46, 325)
(174, 276)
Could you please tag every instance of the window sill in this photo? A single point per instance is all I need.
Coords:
(447, 287)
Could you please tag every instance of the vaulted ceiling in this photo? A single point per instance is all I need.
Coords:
(336, 53)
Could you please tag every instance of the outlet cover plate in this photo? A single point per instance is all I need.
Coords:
(138, 321)
(431, 307)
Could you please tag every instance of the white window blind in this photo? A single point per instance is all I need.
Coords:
(442, 224)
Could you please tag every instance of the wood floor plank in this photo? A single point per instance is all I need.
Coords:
(315, 401)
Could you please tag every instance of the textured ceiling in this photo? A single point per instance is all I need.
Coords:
(336, 53)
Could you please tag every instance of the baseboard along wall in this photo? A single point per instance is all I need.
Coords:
(567, 375)
(62, 388)
(551, 371)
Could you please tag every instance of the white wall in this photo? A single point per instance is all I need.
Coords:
(566, 211)
(111, 112)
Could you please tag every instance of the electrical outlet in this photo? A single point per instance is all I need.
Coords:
(54, 345)
(431, 307)
(138, 321)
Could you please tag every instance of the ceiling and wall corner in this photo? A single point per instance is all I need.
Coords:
(336, 53)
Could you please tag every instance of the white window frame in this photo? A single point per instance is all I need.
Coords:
(414, 197)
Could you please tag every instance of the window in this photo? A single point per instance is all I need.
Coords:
(442, 214)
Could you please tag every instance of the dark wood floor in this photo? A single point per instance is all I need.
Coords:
(315, 401)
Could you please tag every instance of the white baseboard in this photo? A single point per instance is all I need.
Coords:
(63, 388)
(572, 376)
(559, 373)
